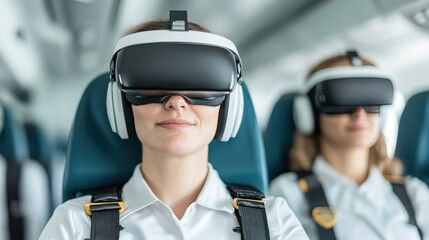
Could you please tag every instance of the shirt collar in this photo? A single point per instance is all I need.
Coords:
(136, 192)
(214, 195)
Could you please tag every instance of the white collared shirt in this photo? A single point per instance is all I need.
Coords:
(369, 211)
(211, 216)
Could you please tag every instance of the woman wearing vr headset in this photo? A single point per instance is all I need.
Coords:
(175, 193)
(344, 184)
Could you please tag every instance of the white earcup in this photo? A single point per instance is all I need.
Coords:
(230, 116)
(389, 121)
(115, 111)
(303, 114)
(110, 108)
(240, 110)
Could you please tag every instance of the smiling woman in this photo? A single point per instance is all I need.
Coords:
(174, 192)
(342, 169)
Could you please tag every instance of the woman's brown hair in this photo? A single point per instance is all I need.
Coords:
(162, 25)
(305, 148)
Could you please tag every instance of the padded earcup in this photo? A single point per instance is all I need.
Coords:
(230, 115)
(240, 110)
(303, 115)
(390, 116)
(115, 110)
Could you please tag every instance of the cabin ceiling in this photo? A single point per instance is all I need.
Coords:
(66, 39)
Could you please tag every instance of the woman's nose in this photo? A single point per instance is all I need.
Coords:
(176, 102)
(358, 112)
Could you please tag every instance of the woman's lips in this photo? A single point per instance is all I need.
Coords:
(357, 128)
(175, 123)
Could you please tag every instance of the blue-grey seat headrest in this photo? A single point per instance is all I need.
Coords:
(412, 146)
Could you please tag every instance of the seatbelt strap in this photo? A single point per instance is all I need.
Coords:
(322, 214)
(16, 219)
(400, 191)
(250, 211)
(104, 209)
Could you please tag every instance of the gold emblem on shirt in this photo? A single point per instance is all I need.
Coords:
(324, 216)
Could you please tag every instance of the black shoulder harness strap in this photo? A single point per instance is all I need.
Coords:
(322, 214)
(250, 212)
(104, 209)
(315, 195)
(16, 220)
(400, 191)
(106, 204)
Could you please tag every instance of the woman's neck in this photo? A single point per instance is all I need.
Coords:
(176, 181)
(352, 162)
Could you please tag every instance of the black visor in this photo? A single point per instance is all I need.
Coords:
(348, 109)
(194, 98)
(344, 95)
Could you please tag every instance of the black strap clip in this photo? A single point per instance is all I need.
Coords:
(104, 209)
(354, 58)
(250, 211)
(178, 20)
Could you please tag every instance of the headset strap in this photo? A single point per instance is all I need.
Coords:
(401, 192)
(322, 214)
(16, 220)
(104, 209)
(250, 212)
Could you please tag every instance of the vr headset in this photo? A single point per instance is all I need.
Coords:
(151, 66)
(340, 90)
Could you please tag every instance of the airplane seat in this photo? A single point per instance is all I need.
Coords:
(98, 157)
(413, 136)
(41, 147)
(278, 135)
(13, 144)
(43, 150)
(23, 177)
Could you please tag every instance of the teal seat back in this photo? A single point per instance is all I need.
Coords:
(97, 157)
(41, 147)
(412, 146)
(13, 142)
(278, 136)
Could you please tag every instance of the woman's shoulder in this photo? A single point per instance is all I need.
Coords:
(283, 183)
(282, 220)
(286, 186)
(416, 188)
(415, 182)
(75, 206)
(289, 177)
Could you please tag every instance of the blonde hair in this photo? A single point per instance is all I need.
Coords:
(305, 148)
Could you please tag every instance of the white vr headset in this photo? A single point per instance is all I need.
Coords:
(341, 90)
(150, 66)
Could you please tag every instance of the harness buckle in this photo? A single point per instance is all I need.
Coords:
(99, 206)
(236, 202)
